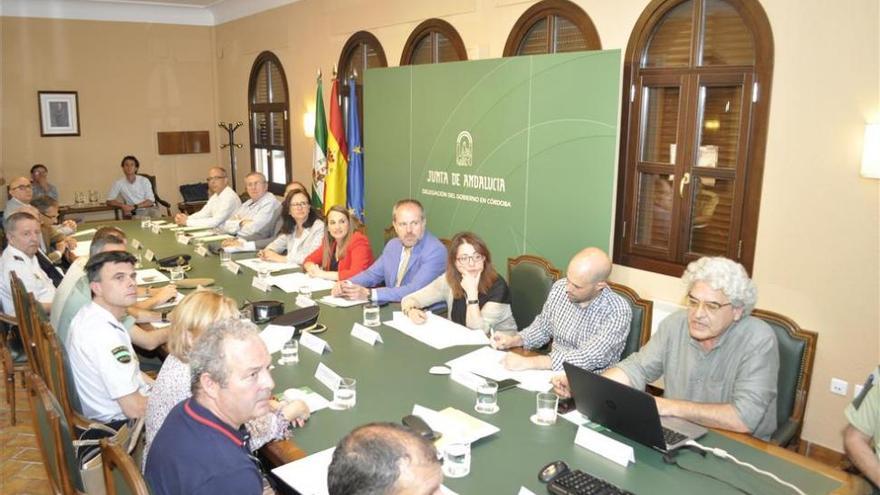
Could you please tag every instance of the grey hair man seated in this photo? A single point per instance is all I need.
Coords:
(384, 459)
(719, 364)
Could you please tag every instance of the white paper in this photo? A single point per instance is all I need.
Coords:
(173, 302)
(487, 362)
(256, 264)
(291, 282)
(341, 302)
(275, 336)
(304, 301)
(263, 285)
(149, 255)
(575, 417)
(308, 475)
(467, 379)
(312, 399)
(232, 266)
(524, 491)
(437, 332)
(605, 446)
(82, 248)
(314, 344)
(150, 276)
(211, 238)
(160, 324)
(84, 232)
(136, 244)
(163, 225)
(369, 336)
(183, 239)
(455, 424)
(202, 233)
(327, 377)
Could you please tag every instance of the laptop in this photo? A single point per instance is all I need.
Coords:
(627, 411)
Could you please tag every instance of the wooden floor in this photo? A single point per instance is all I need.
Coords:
(21, 467)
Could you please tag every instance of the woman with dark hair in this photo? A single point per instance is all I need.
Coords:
(344, 253)
(301, 230)
(476, 296)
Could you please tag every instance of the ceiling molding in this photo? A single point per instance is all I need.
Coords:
(149, 11)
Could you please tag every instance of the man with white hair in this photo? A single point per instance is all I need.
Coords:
(719, 364)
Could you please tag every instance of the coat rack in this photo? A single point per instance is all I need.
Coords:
(230, 128)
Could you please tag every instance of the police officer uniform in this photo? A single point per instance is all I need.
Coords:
(104, 364)
(28, 270)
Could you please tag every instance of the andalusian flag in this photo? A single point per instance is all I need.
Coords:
(319, 162)
(337, 162)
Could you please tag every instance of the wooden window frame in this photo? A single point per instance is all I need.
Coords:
(268, 108)
(753, 137)
(429, 28)
(548, 9)
(356, 41)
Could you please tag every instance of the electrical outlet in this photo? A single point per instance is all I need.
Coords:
(839, 386)
(857, 390)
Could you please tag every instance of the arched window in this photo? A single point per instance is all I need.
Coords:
(552, 26)
(362, 51)
(432, 42)
(697, 79)
(270, 130)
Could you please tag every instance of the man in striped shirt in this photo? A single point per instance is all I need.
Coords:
(586, 320)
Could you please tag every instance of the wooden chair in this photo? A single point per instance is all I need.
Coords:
(530, 279)
(18, 352)
(388, 234)
(60, 380)
(121, 475)
(640, 325)
(797, 353)
(159, 201)
(54, 438)
(446, 242)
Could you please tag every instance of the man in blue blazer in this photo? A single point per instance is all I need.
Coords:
(408, 263)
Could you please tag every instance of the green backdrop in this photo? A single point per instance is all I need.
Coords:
(541, 131)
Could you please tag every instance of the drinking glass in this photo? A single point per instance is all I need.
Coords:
(305, 291)
(345, 395)
(546, 408)
(371, 315)
(176, 273)
(93, 196)
(457, 459)
(487, 398)
(225, 256)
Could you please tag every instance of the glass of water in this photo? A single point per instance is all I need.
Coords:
(487, 398)
(176, 273)
(305, 291)
(546, 408)
(290, 352)
(371, 315)
(225, 256)
(457, 459)
(345, 395)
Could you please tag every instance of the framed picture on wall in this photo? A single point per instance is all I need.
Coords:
(59, 113)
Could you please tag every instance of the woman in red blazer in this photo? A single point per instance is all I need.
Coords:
(344, 252)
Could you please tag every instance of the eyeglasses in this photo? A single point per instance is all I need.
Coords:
(25, 186)
(53, 217)
(712, 307)
(474, 258)
(299, 204)
(209, 179)
(413, 224)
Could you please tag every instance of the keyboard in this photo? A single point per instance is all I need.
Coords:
(578, 482)
(672, 437)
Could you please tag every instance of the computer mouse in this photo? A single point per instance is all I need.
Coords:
(551, 471)
(439, 370)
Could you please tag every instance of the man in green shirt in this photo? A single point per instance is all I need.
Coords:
(863, 430)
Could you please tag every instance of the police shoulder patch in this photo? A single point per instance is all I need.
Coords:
(122, 354)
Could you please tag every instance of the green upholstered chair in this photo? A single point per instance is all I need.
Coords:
(797, 352)
(121, 475)
(640, 326)
(530, 279)
(53, 438)
(60, 380)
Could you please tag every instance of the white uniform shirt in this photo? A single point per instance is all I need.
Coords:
(28, 270)
(132, 193)
(76, 271)
(218, 208)
(104, 364)
(258, 217)
(299, 248)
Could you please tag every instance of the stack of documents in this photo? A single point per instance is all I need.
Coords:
(256, 264)
(341, 302)
(292, 282)
(437, 332)
(487, 362)
(455, 425)
(150, 276)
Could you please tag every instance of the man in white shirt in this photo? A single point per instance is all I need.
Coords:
(255, 218)
(133, 193)
(23, 234)
(221, 204)
(102, 360)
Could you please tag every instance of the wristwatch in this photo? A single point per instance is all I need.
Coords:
(473, 301)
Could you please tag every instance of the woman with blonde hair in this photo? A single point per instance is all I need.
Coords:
(195, 313)
(344, 252)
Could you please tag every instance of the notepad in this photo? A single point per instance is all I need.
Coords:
(437, 332)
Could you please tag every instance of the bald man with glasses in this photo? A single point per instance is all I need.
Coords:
(220, 206)
(21, 193)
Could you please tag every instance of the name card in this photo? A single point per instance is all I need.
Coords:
(232, 266)
(202, 251)
(314, 344)
(365, 334)
(261, 284)
(149, 255)
(304, 301)
(136, 244)
(605, 446)
(326, 376)
(154, 228)
(183, 239)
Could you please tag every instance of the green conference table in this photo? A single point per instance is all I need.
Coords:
(392, 376)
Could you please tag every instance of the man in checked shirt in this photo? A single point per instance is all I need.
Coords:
(586, 320)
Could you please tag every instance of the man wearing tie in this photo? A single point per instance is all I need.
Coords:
(409, 262)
